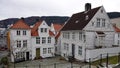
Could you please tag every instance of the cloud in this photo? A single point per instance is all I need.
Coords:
(25, 8)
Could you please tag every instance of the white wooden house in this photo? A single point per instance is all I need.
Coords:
(43, 40)
(88, 34)
(31, 43)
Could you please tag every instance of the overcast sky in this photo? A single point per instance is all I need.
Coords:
(26, 8)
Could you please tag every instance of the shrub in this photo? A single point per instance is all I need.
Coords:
(4, 60)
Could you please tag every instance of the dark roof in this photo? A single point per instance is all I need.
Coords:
(79, 20)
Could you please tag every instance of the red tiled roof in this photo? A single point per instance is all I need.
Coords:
(20, 24)
(78, 21)
(57, 27)
(34, 30)
(116, 28)
(51, 33)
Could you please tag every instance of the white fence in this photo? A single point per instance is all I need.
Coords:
(95, 53)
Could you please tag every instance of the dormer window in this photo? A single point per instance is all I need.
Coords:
(101, 10)
(87, 17)
(76, 21)
(43, 30)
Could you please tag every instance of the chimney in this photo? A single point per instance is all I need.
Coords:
(22, 18)
(87, 6)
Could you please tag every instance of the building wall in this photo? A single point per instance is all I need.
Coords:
(90, 33)
(13, 41)
(67, 52)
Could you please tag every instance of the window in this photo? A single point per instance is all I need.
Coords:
(43, 30)
(44, 50)
(18, 32)
(43, 40)
(118, 35)
(24, 43)
(80, 36)
(101, 10)
(79, 50)
(49, 50)
(24, 32)
(92, 23)
(66, 46)
(103, 22)
(37, 40)
(98, 22)
(19, 43)
(118, 42)
(49, 39)
(66, 35)
(19, 55)
(73, 35)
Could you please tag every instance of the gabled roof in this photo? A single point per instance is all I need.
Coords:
(34, 30)
(20, 24)
(78, 21)
(116, 28)
(57, 27)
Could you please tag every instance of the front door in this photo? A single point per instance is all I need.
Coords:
(37, 53)
(73, 50)
(27, 55)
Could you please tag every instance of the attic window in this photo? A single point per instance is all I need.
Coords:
(76, 21)
(87, 17)
(101, 10)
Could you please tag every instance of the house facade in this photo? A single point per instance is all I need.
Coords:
(43, 41)
(28, 43)
(87, 35)
(20, 41)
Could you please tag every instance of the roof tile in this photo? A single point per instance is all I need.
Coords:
(79, 20)
(20, 24)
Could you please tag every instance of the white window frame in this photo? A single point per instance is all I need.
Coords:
(44, 50)
(24, 43)
(24, 32)
(79, 50)
(43, 40)
(37, 40)
(49, 39)
(98, 22)
(18, 32)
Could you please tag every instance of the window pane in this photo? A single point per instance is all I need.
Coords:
(43, 40)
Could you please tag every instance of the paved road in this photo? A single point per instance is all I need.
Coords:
(48, 63)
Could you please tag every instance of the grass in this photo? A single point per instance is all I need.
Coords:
(111, 60)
